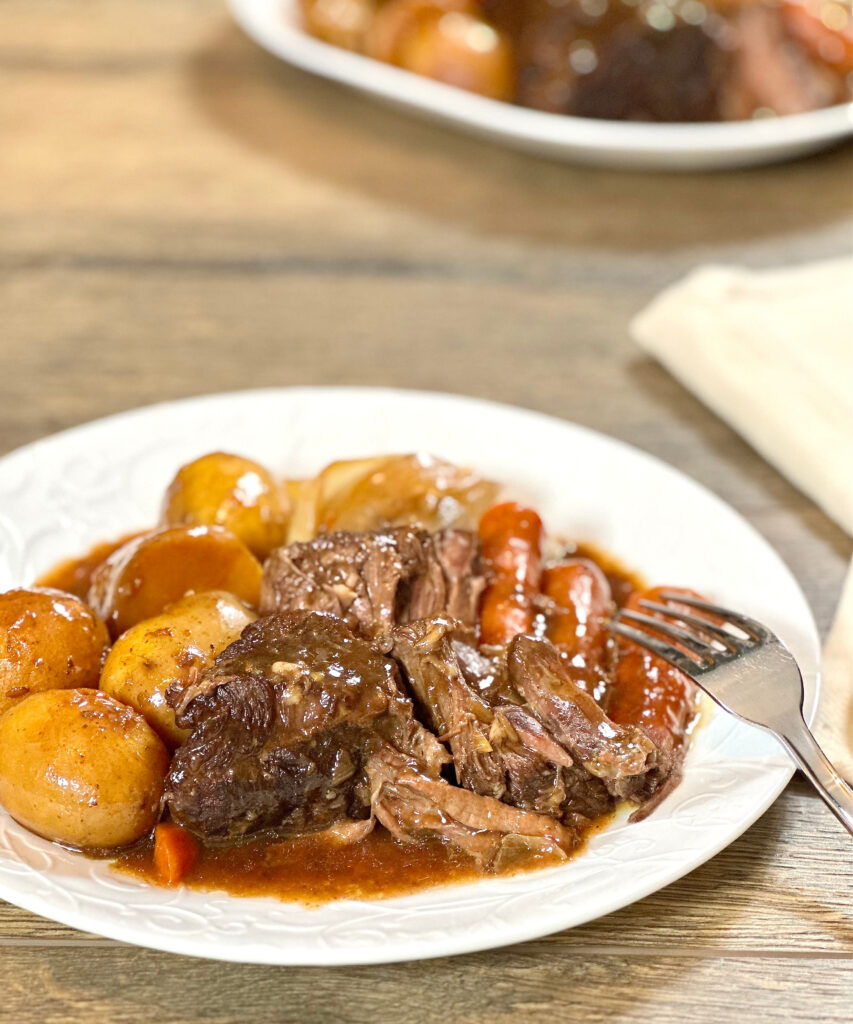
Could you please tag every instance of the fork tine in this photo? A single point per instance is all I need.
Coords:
(693, 620)
(749, 626)
(680, 636)
(663, 650)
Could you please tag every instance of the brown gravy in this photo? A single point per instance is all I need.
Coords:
(314, 870)
(623, 582)
(74, 575)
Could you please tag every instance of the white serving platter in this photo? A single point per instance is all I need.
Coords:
(277, 26)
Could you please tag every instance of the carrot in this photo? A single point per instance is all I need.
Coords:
(510, 539)
(646, 690)
(581, 596)
(175, 852)
(510, 543)
(505, 612)
(829, 42)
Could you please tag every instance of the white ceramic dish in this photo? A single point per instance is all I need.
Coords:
(60, 495)
(276, 25)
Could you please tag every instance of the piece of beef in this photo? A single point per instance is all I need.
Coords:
(587, 797)
(515, 725)
(411, 805)
(501, 751)
(376, 580)
(485, 674)
(610, 62)
(447, 704)
(621, 756)
(620, 61)
(282, 724)
(458, 555)
(647, 75)
(540, 774)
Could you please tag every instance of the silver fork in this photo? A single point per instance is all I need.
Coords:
(747, 670)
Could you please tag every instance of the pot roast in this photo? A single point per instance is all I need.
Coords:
(360, 698)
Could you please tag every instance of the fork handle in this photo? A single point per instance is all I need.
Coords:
(818, 769)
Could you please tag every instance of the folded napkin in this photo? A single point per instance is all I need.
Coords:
(771, 352)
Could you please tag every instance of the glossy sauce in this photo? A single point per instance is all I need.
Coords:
(74, 575)
(623, 582)
(315, 869)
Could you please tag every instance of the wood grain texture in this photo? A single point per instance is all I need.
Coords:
(524, 983)
(181, 214)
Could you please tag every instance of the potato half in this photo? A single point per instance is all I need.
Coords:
(169, 650)
(152, 571)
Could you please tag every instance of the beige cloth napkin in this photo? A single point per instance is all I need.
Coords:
(771, 352)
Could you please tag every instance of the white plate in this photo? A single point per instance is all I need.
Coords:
(276, 25)
(98, 481)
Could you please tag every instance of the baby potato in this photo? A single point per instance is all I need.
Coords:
(230, 491)
(152, 655)
(48, 639)
(339, 22)
(446, 40)
(152, 571)
(78, 767)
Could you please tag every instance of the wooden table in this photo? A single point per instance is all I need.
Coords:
(181, 214)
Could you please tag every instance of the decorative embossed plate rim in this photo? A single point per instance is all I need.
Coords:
(277, 26)
(101, 480)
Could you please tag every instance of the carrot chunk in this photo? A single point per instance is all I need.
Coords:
(175, 852)
(581, 596)
(648, 691)
(510, 542)
(826, 30)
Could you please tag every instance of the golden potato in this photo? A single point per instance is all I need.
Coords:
(78, 767)
(230, 491)
(339, 22)
(168, 649)
(398, 21)
(152, 571)
(48, 640)
(446, 40)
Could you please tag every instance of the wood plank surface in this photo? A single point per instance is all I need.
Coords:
(180, 214)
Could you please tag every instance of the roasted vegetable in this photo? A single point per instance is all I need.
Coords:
(79, 767)
(387, 490)
(230, 491)
(48, 640)
(169, 650)
(339, 22)
(648, 691)
(175, 852)
(152, 571)
(581, 602)
(511, 540)
(447, 40)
